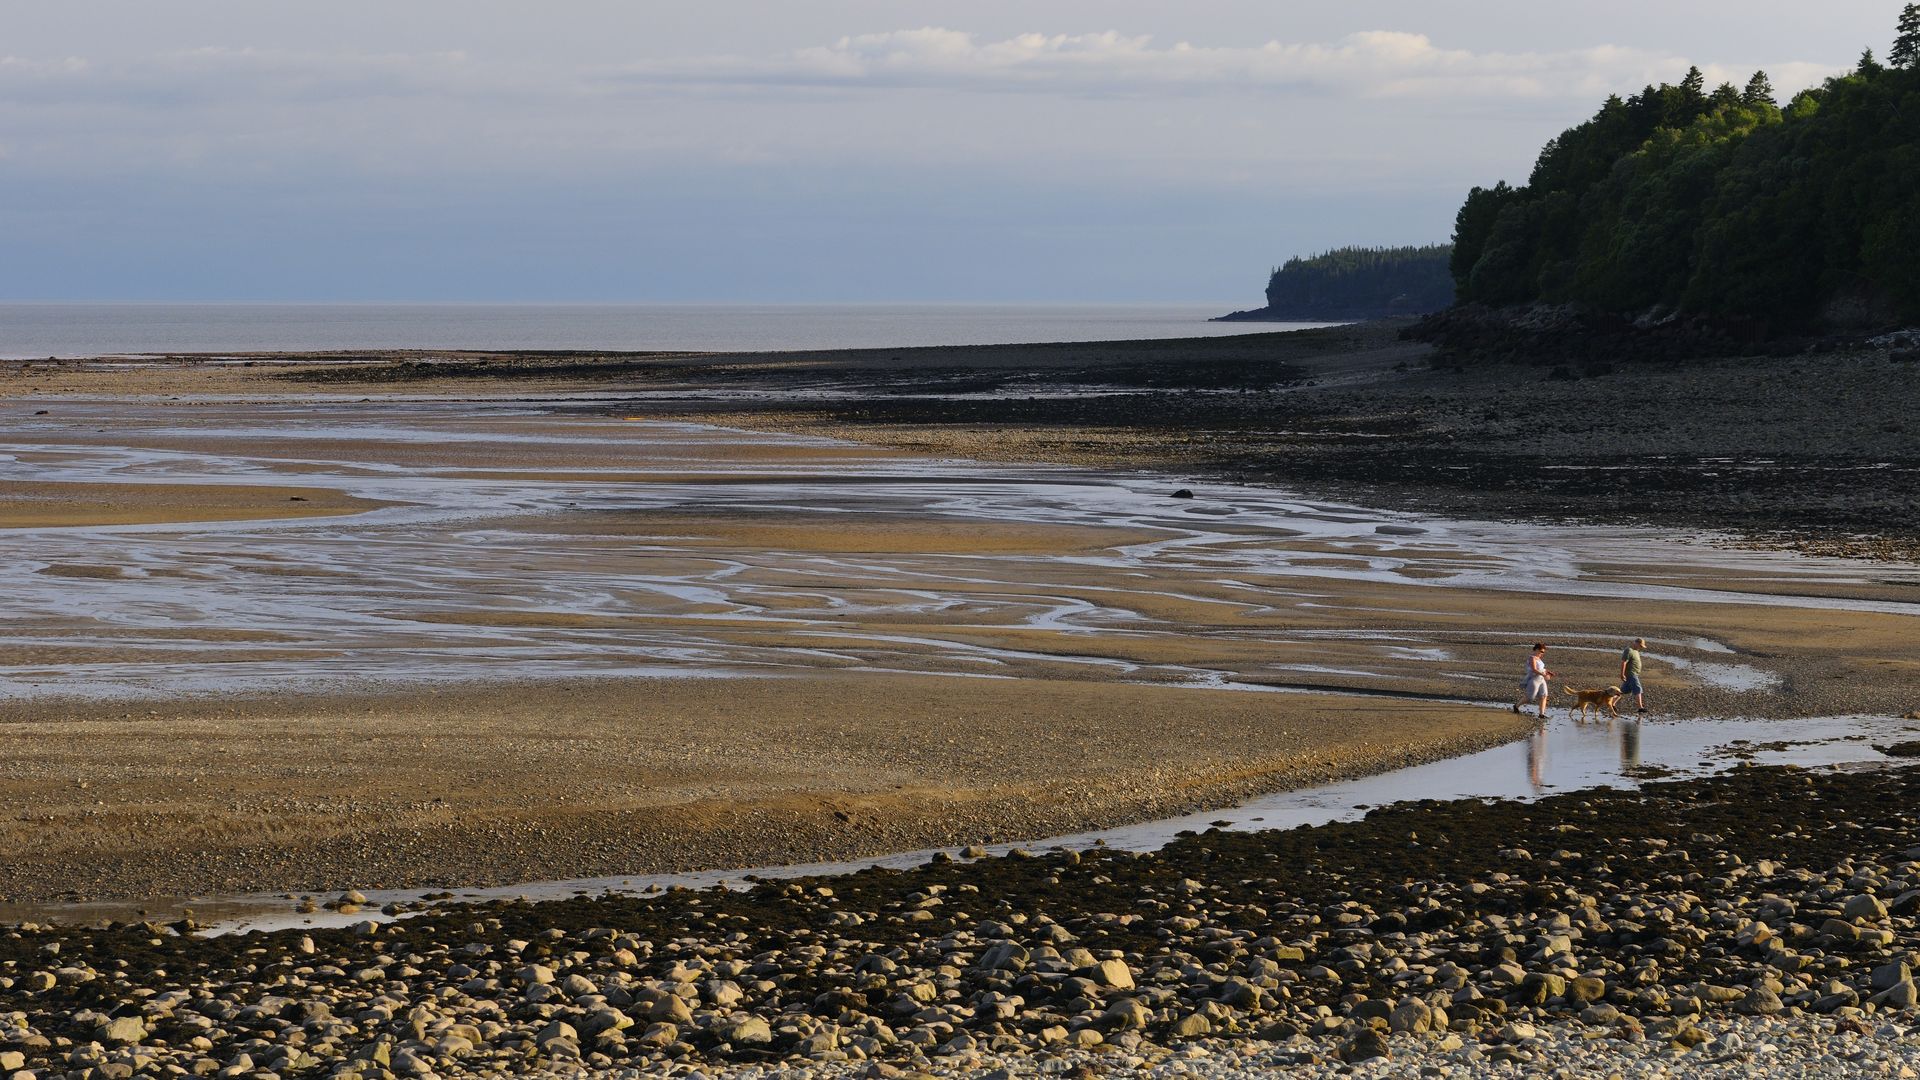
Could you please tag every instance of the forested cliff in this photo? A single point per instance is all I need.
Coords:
(1719, 203)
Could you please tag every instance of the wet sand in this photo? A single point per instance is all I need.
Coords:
(497, 784)
(28, 505)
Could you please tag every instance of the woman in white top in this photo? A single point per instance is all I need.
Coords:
(1534, 689)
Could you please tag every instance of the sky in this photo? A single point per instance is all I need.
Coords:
(796, 151)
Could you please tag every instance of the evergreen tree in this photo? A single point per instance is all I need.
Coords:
(1906, 46)
(1694, 86)
(1725, 97)
(1759, 91)
(1868, 65)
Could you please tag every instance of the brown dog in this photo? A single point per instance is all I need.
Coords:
(1594, 699)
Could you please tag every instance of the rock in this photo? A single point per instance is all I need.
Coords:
(1887, 976)
(1365, 1046)
(123, 1030)
(1539, 987)
(1190, 1026)
(659, 1035)
(12, 1061)
(534, 975)
(746, 1030)
(1586, 989)
(1903, 996)
(1006, 956)
(1600, 1015)
(559, 1029)
(1865, 906)
(1183, 493)
(1114, 974)
(1125, 1014)
(1759, 1001)
(1412, 1016)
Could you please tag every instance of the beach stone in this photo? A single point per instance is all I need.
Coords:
(1600, 1015)
(535, 975)
(1586, 989)
(745, 1031)
(1902, 996)
(1114, 974)
(1411, 1016)
(12, 1061)
(1086, 1036)
(1190, 1026)
(671, 1009)
(1865, 906)
(1887, 976)
(1006, 956)
(559, 1029)
(1539, 986)
(1367, 1045)
(1125, 1014)
(1759, 1002)
(126, 1029)
(659, 1035)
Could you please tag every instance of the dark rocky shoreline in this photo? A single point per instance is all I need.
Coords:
(1480, 932)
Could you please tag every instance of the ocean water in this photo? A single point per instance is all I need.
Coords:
(34, 330)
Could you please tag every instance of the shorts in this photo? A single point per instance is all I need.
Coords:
(1631, 685)
(1534, 688)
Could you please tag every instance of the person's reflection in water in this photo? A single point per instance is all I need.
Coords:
(1629, 743)
(1537, 758)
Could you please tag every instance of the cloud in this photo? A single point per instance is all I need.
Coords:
(1370, 64)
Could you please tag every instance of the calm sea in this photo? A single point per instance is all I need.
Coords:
(100, 329)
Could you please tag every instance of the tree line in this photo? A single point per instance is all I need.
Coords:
(1719, 202)
(1362, 283)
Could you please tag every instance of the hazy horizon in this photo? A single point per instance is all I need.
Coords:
(851, 152)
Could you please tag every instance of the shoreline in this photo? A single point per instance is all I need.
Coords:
(1678, 930)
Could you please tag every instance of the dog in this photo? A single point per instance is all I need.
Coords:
(1595, 700)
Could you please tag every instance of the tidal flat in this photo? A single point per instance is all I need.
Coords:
(476, 626)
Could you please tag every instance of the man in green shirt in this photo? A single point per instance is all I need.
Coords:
(1630, 673)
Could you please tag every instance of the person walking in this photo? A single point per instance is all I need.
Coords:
(1630, 673)
(1535, 689)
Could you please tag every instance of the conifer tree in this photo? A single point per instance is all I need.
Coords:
(1759, 91)
(1906, 46)
(1694, 85)
(1868, 65)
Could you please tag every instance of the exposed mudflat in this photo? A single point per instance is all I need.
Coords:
(562, 641)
